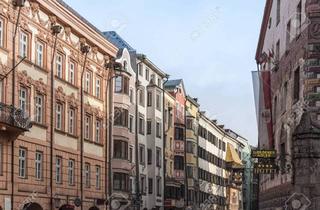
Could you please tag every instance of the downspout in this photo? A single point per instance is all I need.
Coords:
(258, 197)
(110, 136)
(164, 138)
(185, 156)
(85, 50)
(52, 120)
(13, 100)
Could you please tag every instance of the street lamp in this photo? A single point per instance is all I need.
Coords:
(55, 30)
(85, 49)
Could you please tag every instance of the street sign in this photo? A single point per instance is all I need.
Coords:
(264, 154)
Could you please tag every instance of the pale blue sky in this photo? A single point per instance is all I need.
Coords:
(209, 43)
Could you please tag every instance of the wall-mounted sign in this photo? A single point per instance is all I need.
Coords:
(265, 168)
(263, 154)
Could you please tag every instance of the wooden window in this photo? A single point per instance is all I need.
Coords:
(71, 171)
(87, 126)
(98, 131)
(88, 84)
(59, 65)
(59, 116)
(24, 44)
(40, 52)
(39, 165)
(72, 72)
(121, 117)
(72, 121)
(22, 162)
(87, 174)
(39, 106)
(120, 181)
(120, 150)
(58, 169)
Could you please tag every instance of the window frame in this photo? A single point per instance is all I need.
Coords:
(39, 165)
(60, 167)
(40, 108)
(41, 63)
(23, 160)
(71, 172)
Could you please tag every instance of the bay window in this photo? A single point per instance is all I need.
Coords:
(120, 149)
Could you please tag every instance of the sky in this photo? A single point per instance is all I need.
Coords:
(210, 44)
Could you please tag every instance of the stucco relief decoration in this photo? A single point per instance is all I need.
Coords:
(2, 10)
(24, 78)
(60, 95)
(40, 86)
(4, 69)
(34, 9)
(67, 32)
(88, 108)
(94, 53)
(314, 29)
(98, 112)
(74, 55)
(73, 101)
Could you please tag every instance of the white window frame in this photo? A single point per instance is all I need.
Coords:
(71, 166)
(59, 65)
(23, 99)
(39, 102)
(2, 27)
(87, 126)
(87, 175)
(58, 169)
(22, 162)
(39, 165)
(72, 67)
(98, 130)
(88, 82)
(23, 45)
(59, 116)
(71, 121)
(39, 53)
(98, 87)
(98, 177)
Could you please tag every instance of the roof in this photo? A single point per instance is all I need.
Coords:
(117, 40)
(173, 83)
(194, 101)
(151, 65)
(263, 29)
(65, 5)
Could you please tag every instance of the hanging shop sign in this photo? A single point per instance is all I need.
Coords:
(264, 154)
(265, 168)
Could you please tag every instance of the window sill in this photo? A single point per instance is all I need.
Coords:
(66, 82)
(92, 142)
(42, 125)
(60, 131)
(66, 133)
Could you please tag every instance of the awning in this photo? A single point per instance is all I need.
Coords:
(232, 156)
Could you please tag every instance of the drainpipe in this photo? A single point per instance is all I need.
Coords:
(13, 93)
(84, 50)
(56, 29)
(258, 197)
(185, 156)
(110, 136)
(164, 137)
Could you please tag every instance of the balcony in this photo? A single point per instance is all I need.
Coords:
(13, 121)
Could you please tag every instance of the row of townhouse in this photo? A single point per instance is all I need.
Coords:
(88, 123)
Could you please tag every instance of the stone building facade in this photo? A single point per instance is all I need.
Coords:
(288, 52)
(47, 165)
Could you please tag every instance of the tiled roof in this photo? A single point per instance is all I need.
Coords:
(116, 39)
(173, 83)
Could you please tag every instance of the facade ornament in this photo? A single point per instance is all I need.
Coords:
(60, 95)
(73, 101)
(24, 78)
(34, 9)
(40, 86)
(53, 19)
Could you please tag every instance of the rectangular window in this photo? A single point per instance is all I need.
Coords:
(87, 127)
(142, 154)
(158, 130)
(120, 150)
(1, 33)
(59, 116)
(130, 154)
(141, 97)
(158, 157)
(149, 156)
(87, 174)
(147, 74)
(118, 84)
(278, 51)
(299, 18)
(122, 85)
(71, 172)
(158, 101)
(189, 171)
(23, 99)
(22, 162)
(121, 117)
(72, 121)
(190, 147)
(58, 169)
(98, 87)
(141, 125)
(159, 186)
(39, 103)
(143, 184)
(296, 85)
(98, 131)
(179, 133)
(72, 71)
(150, 185)
(178, 163)
(1, 90)
(131, 96)
(88, 82)
(278, 11)
(149, 99)
(131, 123)
(288, 35)
(39, 54)
(120, 181)
(38, 165)
(24, 42)
(140, 68)
(149, 127)
(59, 66)
(98, 177)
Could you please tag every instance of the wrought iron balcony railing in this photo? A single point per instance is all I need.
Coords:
(14, 118)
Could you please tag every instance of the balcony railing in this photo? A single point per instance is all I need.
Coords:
(12, 117)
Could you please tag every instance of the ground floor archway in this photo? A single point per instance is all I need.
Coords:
(32, 206)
